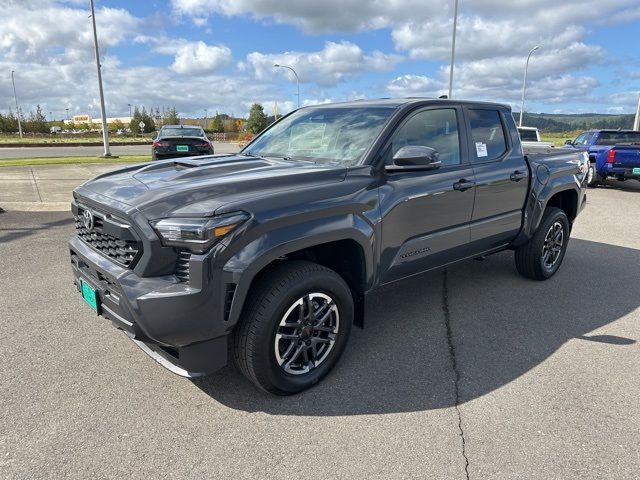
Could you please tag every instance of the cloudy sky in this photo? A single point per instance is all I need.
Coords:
(219, 54)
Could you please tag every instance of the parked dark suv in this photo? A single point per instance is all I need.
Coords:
(180, 141)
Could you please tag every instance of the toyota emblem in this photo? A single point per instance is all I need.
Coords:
(88, 220)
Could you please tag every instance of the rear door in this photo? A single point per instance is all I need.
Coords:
(502, 177)
(426, 214)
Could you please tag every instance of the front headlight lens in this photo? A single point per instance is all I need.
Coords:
(197, 234)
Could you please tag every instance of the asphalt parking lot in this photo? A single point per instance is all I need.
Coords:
(72, 151)
(469, 372)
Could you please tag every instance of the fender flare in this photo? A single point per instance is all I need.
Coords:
(246, 264)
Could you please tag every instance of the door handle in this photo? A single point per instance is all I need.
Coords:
(517, 176)
(463, 185)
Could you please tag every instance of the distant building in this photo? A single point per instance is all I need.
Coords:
(97, 121)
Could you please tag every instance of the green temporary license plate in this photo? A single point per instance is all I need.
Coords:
(636, 171)
(89, 295)
(182, 148)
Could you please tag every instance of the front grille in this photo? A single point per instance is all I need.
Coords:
(109, 236)
(182, 265)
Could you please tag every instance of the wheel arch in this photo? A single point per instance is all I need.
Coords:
(348, 251)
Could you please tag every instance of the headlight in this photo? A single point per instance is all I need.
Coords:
(197, 234)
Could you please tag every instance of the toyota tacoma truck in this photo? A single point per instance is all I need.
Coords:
(266, 258)
(612, 154)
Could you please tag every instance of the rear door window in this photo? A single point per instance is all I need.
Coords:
(487, 133)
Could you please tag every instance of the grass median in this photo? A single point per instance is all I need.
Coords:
(29, 162)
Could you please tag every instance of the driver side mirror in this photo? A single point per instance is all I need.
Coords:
(568, 142)
(414, 158)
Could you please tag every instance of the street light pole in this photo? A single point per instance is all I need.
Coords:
(15, 96)
(297, 78)
(67, 114)
(130, 114)
(105, 130)
(524, 82)
(453, 46)
(636, 121)
(205, 118)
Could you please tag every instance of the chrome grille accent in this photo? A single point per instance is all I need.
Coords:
(182, 265)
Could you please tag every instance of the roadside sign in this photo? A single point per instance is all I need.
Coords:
(141, 125)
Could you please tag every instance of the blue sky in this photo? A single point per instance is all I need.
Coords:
(218, 54)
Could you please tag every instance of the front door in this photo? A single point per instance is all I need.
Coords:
(426, 214)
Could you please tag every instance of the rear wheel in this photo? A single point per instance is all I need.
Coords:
(294, 328)
(541, 257)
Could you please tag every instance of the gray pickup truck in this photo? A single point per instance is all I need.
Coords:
(267, 257)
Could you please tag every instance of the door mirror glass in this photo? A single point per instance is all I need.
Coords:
(568, 142)
(414, 157)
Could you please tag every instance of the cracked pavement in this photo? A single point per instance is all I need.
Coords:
(472, 372)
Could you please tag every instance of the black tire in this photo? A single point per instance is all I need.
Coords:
(532, 259)
(278, 291)
(593, 178)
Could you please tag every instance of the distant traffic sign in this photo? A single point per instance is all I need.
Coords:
(141, 125)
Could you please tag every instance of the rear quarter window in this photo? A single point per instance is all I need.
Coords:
(487, 132)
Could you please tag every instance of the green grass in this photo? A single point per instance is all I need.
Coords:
(64, 139)
(25, 162)
(558, 138)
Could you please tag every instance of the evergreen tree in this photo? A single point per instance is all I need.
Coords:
(135, 121)
(257, 119)
(217, 126)
(171, 117)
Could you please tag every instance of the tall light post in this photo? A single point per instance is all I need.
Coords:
(205, 118)
(105, 130)
(51, 116)
(15, 96)
(277, 65)
(524, 83)
(67, 114)
(130, 114)
(453, 46)
(636, 121)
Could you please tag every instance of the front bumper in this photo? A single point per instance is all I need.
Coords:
(178, 325)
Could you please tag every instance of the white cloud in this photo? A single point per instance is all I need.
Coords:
(196, 58)
(326, 67)
(31, 30)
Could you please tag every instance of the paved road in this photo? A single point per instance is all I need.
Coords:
(38, 152)
(472, 372)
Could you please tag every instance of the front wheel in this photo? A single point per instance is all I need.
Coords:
(294, 328)
(541, 257)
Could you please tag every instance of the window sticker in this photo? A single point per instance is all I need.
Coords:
(481, 149)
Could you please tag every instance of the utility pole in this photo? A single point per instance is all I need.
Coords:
(15, 96)
(105, 129)
(453, 46)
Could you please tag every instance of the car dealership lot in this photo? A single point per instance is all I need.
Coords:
(475, 372)
(73, 151)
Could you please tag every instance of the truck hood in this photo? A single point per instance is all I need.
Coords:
(203, 185)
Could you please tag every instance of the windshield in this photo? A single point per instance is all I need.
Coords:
(611, 138)
(181, 132)
(323, 135)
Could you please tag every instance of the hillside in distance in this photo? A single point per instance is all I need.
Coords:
(561, 123)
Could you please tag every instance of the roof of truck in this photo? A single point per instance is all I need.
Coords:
(397, 102)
